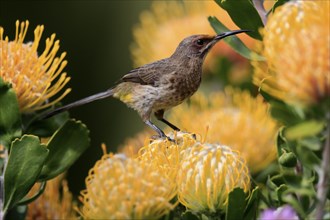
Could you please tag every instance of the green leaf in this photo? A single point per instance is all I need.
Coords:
(244, 14)
(312, 143)
(288, 159)
(17, 213)
(267, 96)
(47, 127)
(285, 114)
(278, 3)
(65, 147)
(281, 142)
(234, 42)
(305, 202)
(270, 170)
(189, 216)
(292, 179)
(270, 184)
(280, 191)
(274, 181)
(236, 204)
(307, 191)
(40, 191)
(307, 157)
(250, 212)
(25, 162)
(304, 129)
(10, 117)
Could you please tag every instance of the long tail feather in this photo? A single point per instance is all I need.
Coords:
(98, 96)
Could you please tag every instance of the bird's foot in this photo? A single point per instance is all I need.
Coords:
(178, 136)
(174, 137)
(194, 136)
(170, 139)
(161, 137)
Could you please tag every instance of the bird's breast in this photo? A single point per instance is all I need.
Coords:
(174, 89)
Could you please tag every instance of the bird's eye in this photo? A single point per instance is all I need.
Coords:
(200, 42)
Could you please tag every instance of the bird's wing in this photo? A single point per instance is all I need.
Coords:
(148, 74)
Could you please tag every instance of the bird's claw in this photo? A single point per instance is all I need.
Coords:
(170, 139)
(194, 136)
(158, 137)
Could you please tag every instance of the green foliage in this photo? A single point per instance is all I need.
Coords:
(250, 211)
(288, 159)
(244, 14)
(233, 41)
(189, 216)
(286, 114)
(65, 147)
(44, 128)
(309, 128)
(236, 204)
(299, 160)
(25, 162)
(29, 160)
(242, 206)
(278, 3)
(10, 118)
(282, 112)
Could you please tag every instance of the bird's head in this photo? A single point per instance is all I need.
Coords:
(199, 45)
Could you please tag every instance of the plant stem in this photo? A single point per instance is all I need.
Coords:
(324, 173)
(4, 154)
(259, 5)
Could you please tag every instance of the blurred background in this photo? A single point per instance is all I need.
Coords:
(96, 36)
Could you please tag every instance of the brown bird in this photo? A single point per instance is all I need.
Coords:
(161, 85)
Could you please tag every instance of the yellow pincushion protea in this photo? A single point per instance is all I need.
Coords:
(213, 177)
(208, 173)
(35, 77)
(133, 144)
(165, 155)
(297, 48)
(233, 118)
(167, 22)
(55, 203)
(124, 188)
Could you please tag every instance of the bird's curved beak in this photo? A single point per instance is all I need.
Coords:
(219, 37)
(228, 33)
